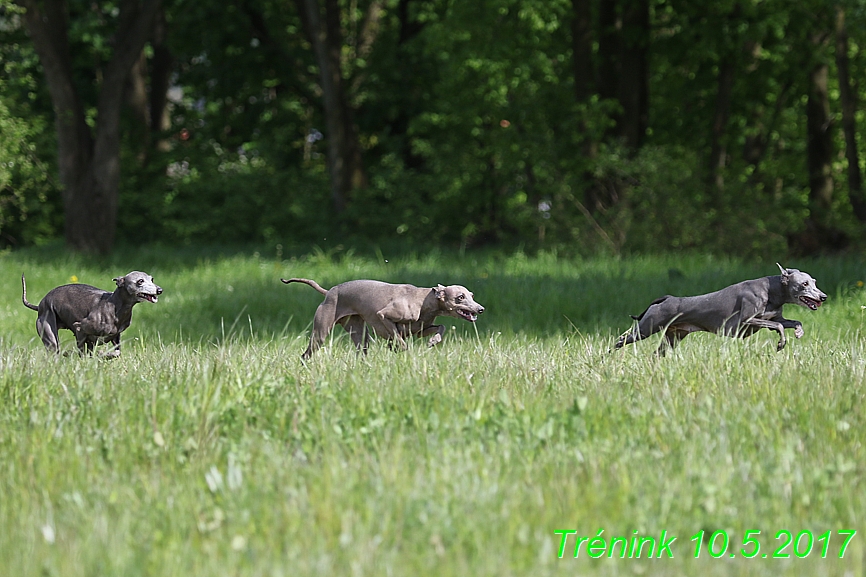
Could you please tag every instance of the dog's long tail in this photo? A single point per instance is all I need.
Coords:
(655, 302)
(312, 283)
(24, 295)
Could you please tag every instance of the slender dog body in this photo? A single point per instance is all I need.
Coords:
(391, 311)
(94, 315)
(739, 310)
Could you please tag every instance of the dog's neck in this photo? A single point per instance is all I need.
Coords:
(123, 303)
(777, 294)
(431, 307)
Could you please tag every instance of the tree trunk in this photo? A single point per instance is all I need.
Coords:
(608, 49)
(407, 63)
(817, 235)
(819, 141)
(584, 87)
(718, 153)
(161, 67)
(633, 82)
(409, 27)
(137, 100)
(345, 165)
(147, 89)
(581, 50)
(89, 163)
(848, 98)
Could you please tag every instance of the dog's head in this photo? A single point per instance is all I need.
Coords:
(140, 286)
(801, 288)
(456, 301)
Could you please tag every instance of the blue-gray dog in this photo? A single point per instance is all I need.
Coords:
(739, 310)
(94, 315)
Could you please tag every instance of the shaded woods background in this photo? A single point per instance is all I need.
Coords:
(580, 125)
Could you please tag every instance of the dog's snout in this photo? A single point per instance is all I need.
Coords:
(823, 297)
(480, 309)
(158, 290)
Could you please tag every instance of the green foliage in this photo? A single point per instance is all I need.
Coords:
(470, 129)
(246, 204)
(28, 196)
(208, 448)
(667, 206)
(28, 199)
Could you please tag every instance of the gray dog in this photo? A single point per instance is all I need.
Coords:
(739, 310)
(94, 315)
(392, 311)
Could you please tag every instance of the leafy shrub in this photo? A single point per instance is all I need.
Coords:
(228, 205)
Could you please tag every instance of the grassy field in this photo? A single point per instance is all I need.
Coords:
(209, 449)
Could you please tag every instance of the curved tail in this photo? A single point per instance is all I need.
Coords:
(24, 295)
(312, 283)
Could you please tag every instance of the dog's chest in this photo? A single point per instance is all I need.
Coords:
(107, 322)
(768, 314)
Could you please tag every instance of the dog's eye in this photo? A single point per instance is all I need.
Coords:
(805, 283)
(460, 298)
(139, 282)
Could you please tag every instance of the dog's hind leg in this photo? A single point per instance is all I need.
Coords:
(323, 323)
(46, 328)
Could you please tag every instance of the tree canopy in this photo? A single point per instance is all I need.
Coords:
(581, 125)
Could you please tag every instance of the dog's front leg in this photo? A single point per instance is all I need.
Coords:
(82, 339)
(357, 329)
(792, 324)
(768, 324)
(385, 327)
(438, 331)
(115, 352)
(673, 336)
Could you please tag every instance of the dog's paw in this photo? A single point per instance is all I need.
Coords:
(112, 354)
(780, 346)
(798, 332)
(434, 340)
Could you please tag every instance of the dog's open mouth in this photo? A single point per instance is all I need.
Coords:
(811, 303)
(468, 315)
(150, 298)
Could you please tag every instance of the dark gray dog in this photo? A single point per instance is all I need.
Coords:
(739, 310)
(393, 311)
(94, 315)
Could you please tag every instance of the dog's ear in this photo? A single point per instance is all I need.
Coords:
(119, 281)
(440, 292)
(785, 274)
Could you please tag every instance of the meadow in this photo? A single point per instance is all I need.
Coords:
(208, 448)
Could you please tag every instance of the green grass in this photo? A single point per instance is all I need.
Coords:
(209, 449)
